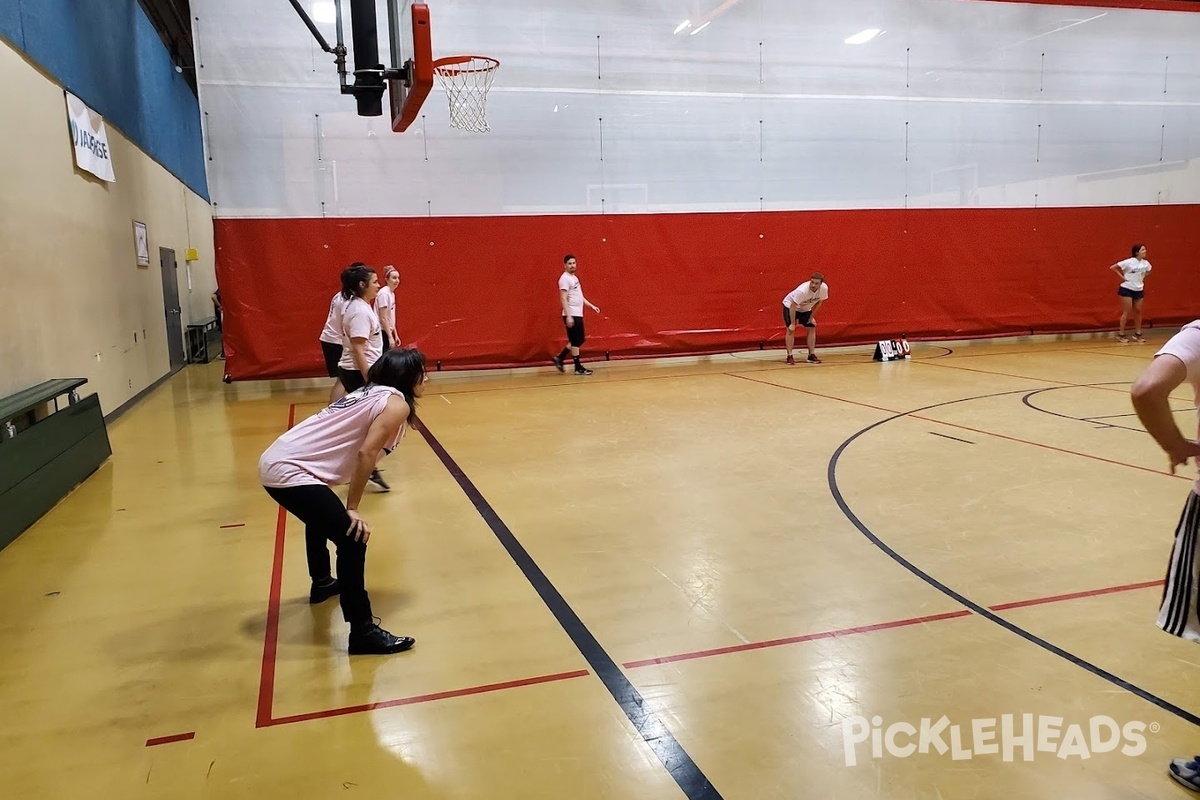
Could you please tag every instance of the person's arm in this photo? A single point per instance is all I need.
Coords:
(381, 433)
(356, 327)
(358, 350)
(1151, 396)
(1117, 269)
(387, 321)
(588, 303)
(566, 309)
(813, 313)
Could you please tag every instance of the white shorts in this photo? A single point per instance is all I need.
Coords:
(1180, 613)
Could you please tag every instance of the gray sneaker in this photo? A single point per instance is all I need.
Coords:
(1187, 772)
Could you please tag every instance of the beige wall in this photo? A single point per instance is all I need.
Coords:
(74, 298)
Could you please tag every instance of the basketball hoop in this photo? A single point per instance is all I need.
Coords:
(467, 80)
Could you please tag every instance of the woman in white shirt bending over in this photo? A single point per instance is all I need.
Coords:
(1133, 272)
(340, 447)
(385, 306)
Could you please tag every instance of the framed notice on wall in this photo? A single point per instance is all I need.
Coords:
(141, 241)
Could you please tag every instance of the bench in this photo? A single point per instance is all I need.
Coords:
(198, 334)
(45, 453)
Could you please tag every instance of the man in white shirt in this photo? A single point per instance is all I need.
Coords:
(801, 306)
(570, 294)
(1133, 272)
(1177, 362)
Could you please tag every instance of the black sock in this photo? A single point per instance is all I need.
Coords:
(566, 351)
(578, 365)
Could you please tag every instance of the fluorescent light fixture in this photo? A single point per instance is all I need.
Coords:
(862, 37)
(323, 11)
(683, 26)
(702, 27)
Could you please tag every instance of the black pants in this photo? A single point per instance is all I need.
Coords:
(325, 520)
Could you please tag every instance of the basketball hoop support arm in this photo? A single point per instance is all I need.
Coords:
(339, 52)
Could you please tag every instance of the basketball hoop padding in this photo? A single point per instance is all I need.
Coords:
(467, 80)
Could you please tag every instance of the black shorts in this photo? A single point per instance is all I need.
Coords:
(1136, 294)
(333, 354)
(575, 332)
(351, 379)
(803, 317)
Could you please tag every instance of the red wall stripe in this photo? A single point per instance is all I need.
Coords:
(482, 291)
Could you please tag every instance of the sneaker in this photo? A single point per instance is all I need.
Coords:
(1187, 772)
(1121, 338)
(320, 592)
(375, 641)
(582, 371)
(812, 359)
(791, 360)
(378, 480)
(558, 364)
(1137, 337)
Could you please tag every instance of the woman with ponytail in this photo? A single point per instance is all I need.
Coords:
(338, 446)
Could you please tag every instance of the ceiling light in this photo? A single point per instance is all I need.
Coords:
(323, 11)
(702, 27)
(862, 37)
(683, 26)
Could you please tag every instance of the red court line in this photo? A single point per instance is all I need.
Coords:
(808, 637)
(881, 626)
(179, 737)
(975, 430)
(266, 685)
(235, 525)
(1134, 5)
(1026, 377)
(426, 698)
(814, 394)
(1058, 598)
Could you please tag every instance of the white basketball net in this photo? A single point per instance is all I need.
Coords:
(466, 80)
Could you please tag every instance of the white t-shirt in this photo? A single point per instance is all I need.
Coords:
(805, 298)
(570, 284)
(324, 447)
(1185, 346)
(333, 322)
(360, 321)
(1135, 273)
(385, 304)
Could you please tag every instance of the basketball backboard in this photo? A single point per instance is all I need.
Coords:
(412, 53)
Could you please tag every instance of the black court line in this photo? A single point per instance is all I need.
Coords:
(982, 611)
(1115, 416)
(652, 729)
(955, 438)
(1093, 420)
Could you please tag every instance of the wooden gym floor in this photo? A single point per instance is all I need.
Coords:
(623, 586)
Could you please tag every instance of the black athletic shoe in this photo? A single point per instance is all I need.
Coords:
(321, 592)
(558, 364)
(375, 641)
(377, 479)
(582, 371)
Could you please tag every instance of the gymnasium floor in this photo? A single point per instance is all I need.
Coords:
(710, 564)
